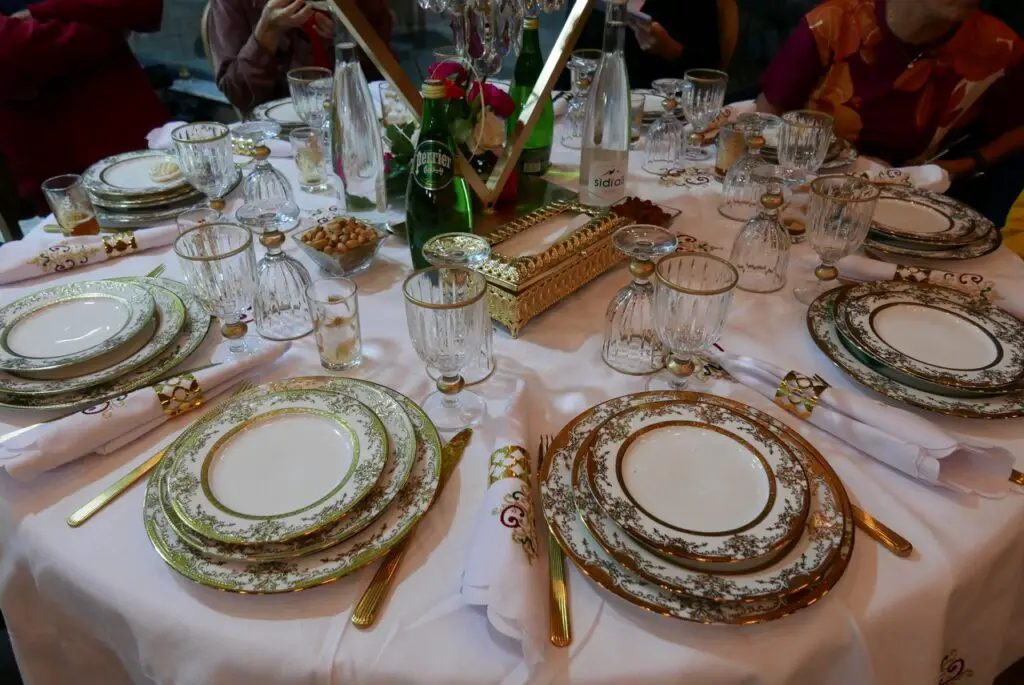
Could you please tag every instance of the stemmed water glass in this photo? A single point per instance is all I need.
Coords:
(741, 196)
(443, 307)
(582, 66)
(631, 342)
(667, 135)
(310, 88)
(804, 140)
(838, 220)
(692, 293)
(760, 252)
(703, 97)
(206, 159)
(219, 265)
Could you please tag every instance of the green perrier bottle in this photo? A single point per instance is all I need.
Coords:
(536, 155)
(435, 200)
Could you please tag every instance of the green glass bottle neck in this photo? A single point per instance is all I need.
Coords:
(433, 115)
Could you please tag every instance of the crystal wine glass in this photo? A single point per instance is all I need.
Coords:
(281, 309)
(443, 307)
(311, 89)
(692, 294)
(206, 159)
(582, 66)
(219, 265)
(804, 140)
(251, 134)
(631, 342)
(838, 220)
(760, 252)
(740, 195)
(268, 197)
(703, 97)
(666, 136)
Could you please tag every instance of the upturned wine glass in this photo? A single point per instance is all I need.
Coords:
(219, 266)
(804, 140)
(582, 66)
(310, 88)
(206, 159)
(760, 252)
(838, 219)
(703, 97)
(443, 307)
(692, 294)
(741, 197)
(666, 136)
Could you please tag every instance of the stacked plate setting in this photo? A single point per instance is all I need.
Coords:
(281, 112)
(925, 345)
(292, 485)
(910, 222)
(697, 507)
(78, 344)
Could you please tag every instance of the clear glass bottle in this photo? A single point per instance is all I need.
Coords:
(268, 197)
(281, 308)
(605, 160)
(359, 150)
(760, 252)
(631, 341)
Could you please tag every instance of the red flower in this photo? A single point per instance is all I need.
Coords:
(448, 71)
(495, 98)
(453, 91)
(387, 158)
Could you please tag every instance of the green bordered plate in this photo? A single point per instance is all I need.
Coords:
(196, 327)
(71, 323)
(298, 574)
(401, 457)
(272, 466)
(162, 330)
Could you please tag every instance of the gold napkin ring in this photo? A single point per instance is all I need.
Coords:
(179, 395)
(799, 394)
(509, 462)
(120, 244)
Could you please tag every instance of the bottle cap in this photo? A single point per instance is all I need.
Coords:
(433, 89)
(531, 23)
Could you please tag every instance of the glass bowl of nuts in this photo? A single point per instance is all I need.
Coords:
(339, 244)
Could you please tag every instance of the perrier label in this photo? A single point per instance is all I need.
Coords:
(435, 201)
(536, 155)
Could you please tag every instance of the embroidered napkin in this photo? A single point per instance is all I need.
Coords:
(880, 430)
(160, 139)
(42, 253)
(731, 113)
(116, 422)
(927, 177)
(502, 571)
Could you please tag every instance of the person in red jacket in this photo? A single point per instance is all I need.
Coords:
(71, 91)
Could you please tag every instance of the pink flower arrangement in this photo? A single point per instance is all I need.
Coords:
(495, 98)
(456, 79)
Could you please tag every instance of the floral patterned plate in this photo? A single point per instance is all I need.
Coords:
(930, 220)
(821, 324)
(568, 529)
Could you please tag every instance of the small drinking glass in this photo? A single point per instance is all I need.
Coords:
(760, 252)
(191, 218)
(667, 135)
(206, 158)
(631, 342)
(310, 160)
(804, 140)
(582, 66)
(71, 205)
(703, 97)
(443, 307)
(636, 116)
(838, 220)
(219, 264)
(310, 88)
(730, 145)
(692, 293)
(334, 303)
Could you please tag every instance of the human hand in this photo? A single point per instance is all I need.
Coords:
(278, 16)
(22, 14)
(323, 24)
(655, 39)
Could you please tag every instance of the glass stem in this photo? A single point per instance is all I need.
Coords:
(451, 401)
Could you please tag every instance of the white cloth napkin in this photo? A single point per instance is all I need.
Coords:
(927, 177)
(880, 431)
(41, 253)
(862, 268)
(503, 571)
(113, 424)
(160, 139)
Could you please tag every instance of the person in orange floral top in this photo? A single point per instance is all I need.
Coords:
(903, 78)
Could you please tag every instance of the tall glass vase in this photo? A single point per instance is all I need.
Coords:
(358, 149)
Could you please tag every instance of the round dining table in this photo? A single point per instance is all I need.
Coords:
(96, 604)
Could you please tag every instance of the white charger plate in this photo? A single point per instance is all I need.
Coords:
(921, 216)
(71, 323)
(271, 466)
(280, 111)
(127, 175)
(698, 483)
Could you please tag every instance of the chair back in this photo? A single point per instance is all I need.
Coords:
(204, 35)
(728, 30)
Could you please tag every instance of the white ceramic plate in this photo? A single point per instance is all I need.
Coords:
(906, 213)
(163, 329)
(71, 323)
(229, 480)
(127, 175)
(941, 336)
(696, 482)
(279, 111)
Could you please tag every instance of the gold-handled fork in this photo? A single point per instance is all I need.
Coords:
(89, 509)
(558, 605)
(881, 533)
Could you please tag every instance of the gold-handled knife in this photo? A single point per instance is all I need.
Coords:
(369, 606)
(85, 512)
(560, 627)
(1016, 477)
(881, 533)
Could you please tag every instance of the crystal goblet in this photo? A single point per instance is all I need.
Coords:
(666, 136)
(582, 66)
(310, 88)
(804, 140)
(760, 252)
(703, 97)
(206, 159)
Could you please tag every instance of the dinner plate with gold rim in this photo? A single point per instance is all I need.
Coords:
(131, 174)
(228, 480)
(821, 324)
(280, 111)
(193, 333)
(936, 335)
(699, 483)
(564, 523)
(984, 245)
(162, 329)
(401, 456)
(920, 216)
(309, 571)
(147, 202)
(71, 323)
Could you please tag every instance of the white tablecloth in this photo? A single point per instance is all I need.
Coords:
(97, 605)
